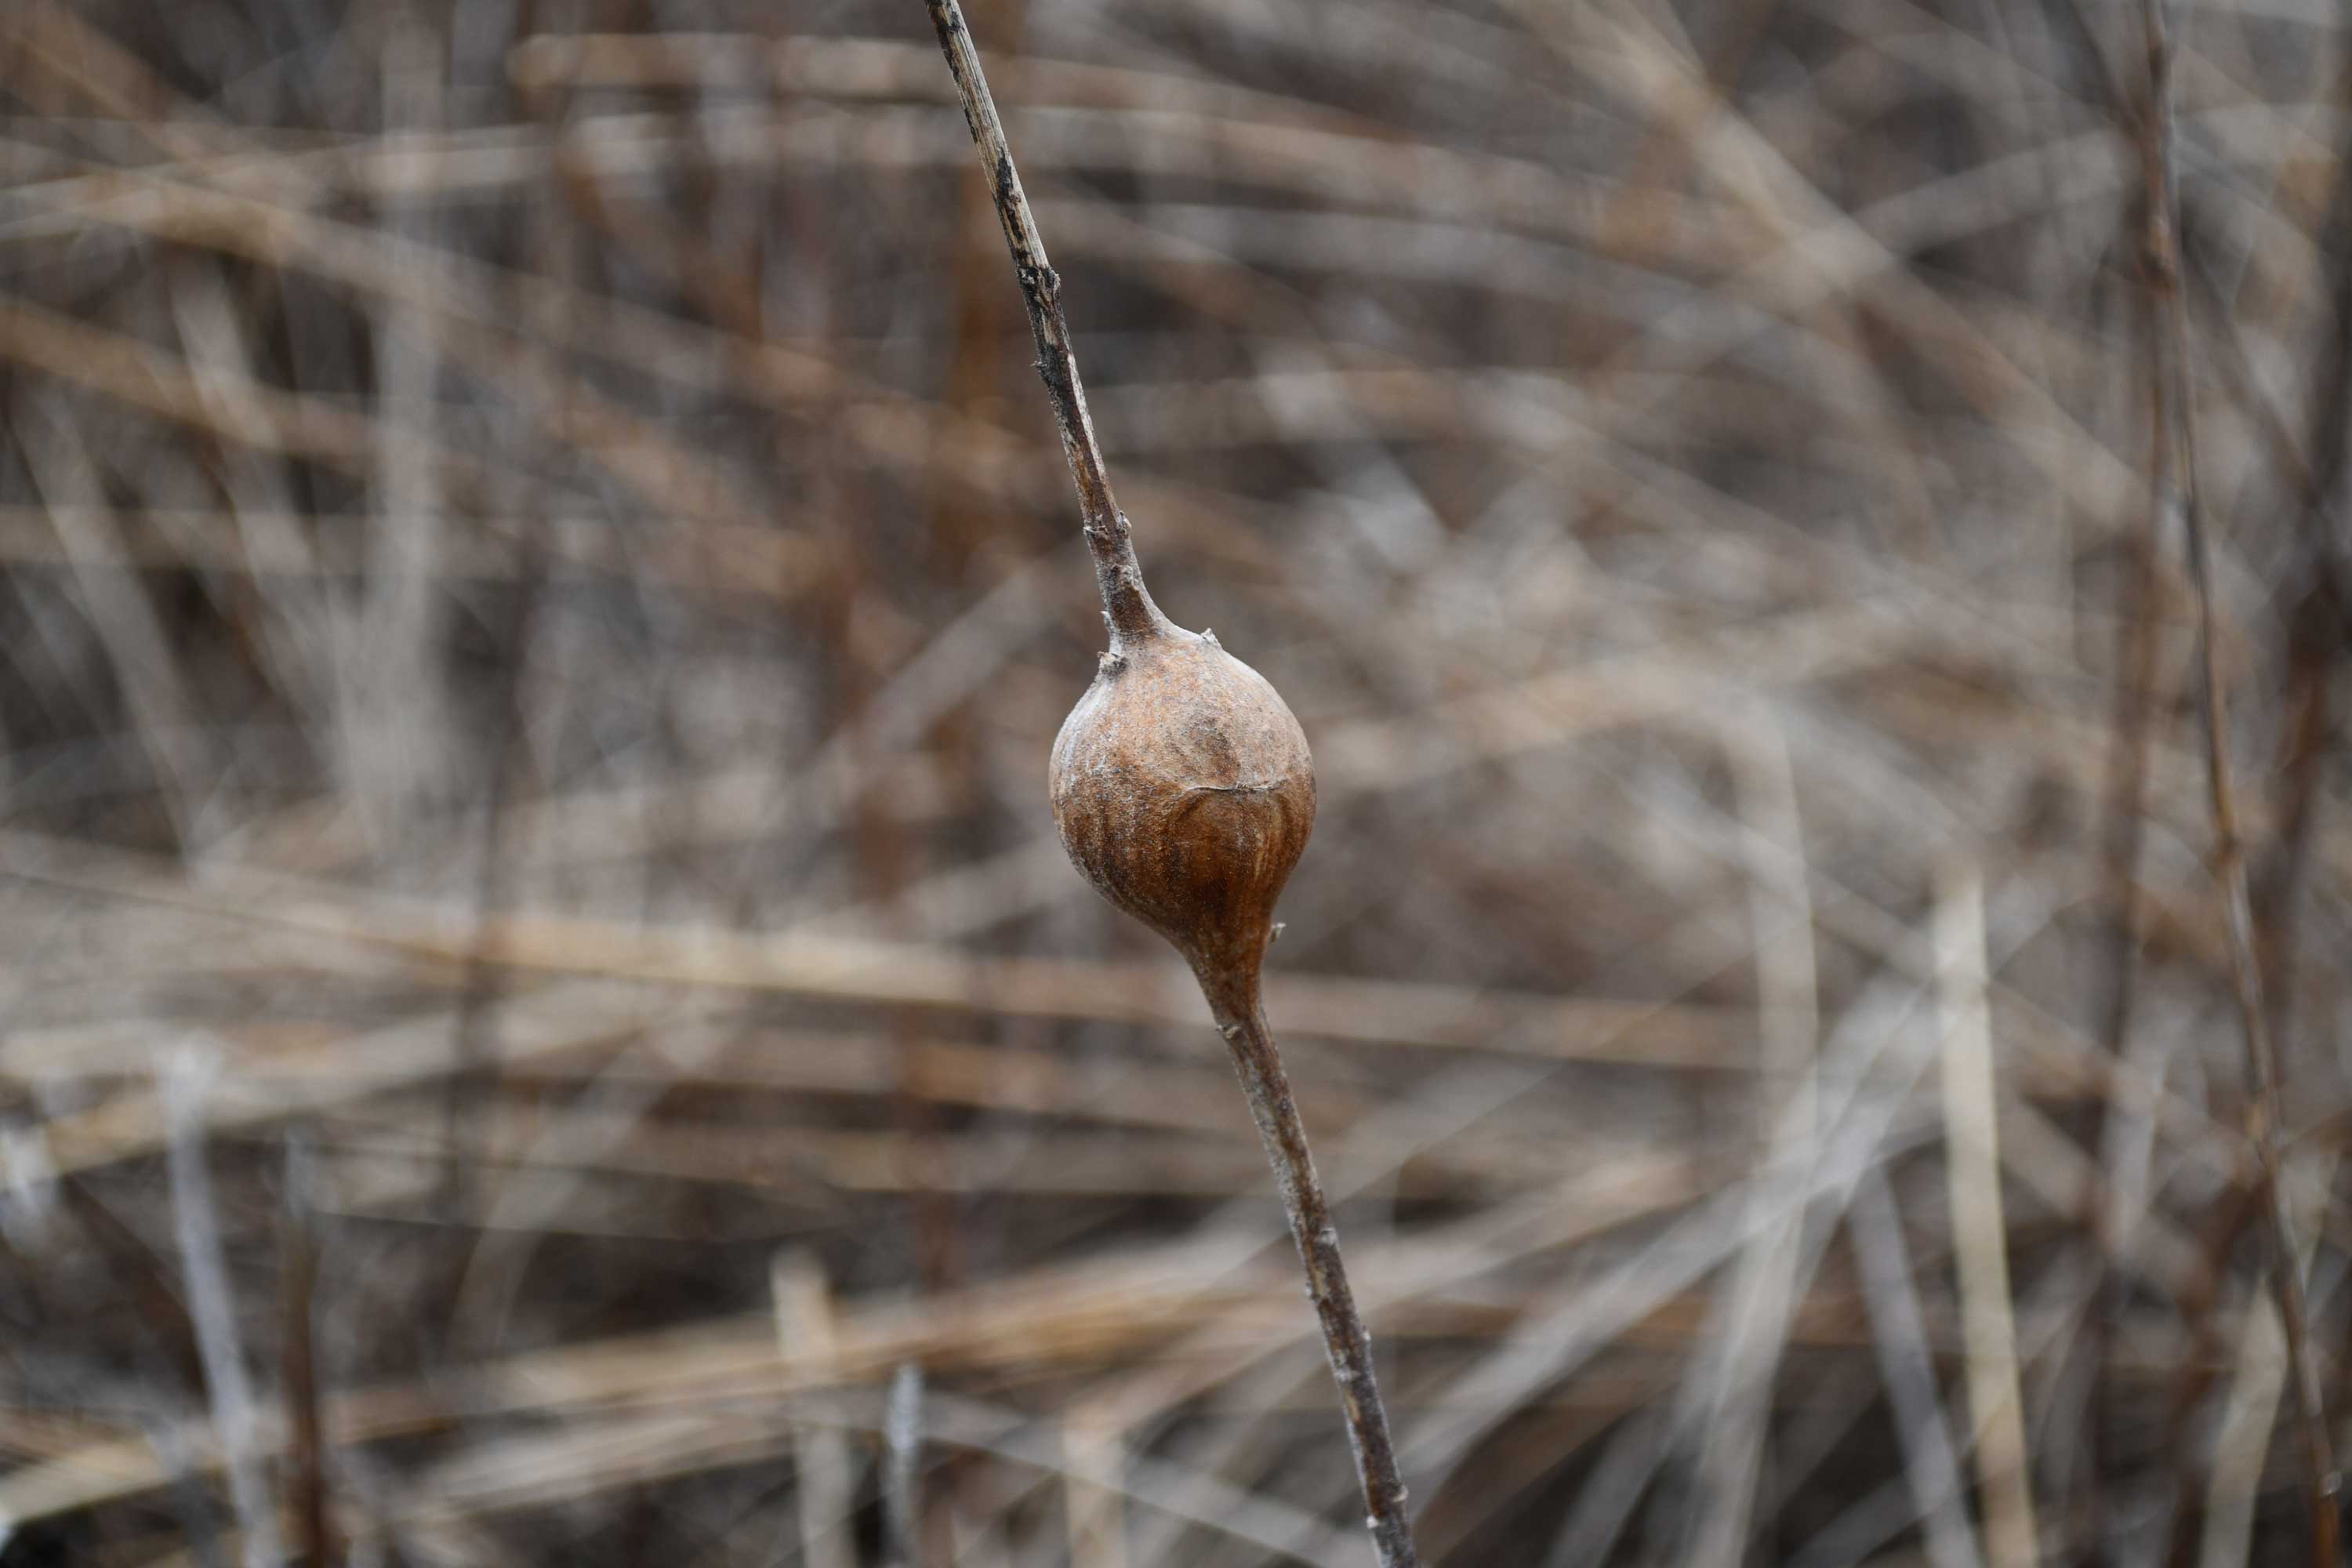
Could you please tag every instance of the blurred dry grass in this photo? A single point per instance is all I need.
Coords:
(537, 588)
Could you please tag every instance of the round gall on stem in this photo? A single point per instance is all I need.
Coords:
(1184, 793)
(1184, 790)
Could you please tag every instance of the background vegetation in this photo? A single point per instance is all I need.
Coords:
(544, 1020)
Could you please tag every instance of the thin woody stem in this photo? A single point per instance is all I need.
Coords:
(1242, 1020)
(1233, 997)
(2175, 462)
(1128, 608)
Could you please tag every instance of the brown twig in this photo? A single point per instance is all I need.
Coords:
(2312, 593)
(2319, 587)
(1127, 606)
(1230, 980)
(314, 1537)
(2122, 832)
(2176, 482)
(2199, 1369)
(1241, 1018)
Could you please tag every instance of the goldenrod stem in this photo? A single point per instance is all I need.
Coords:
(1128, 608)
(1241, 1018)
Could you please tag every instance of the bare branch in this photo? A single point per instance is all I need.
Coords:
(2176, 486)
(1127, 605)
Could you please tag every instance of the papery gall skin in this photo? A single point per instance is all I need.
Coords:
(1183, 791)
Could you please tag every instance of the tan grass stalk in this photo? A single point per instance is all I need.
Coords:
(1972, 1167)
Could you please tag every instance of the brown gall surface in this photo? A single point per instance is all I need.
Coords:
(1183, 791)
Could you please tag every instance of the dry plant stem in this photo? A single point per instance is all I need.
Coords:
(314, 1539)
(2317, 622)
(2198, 1369)
(1228, 962)
(902, 1440)
(2126, 811)
(1127, 606)
(2175, 432)
(1241, 1018)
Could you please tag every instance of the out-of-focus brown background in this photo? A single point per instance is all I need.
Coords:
(544, 1021)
